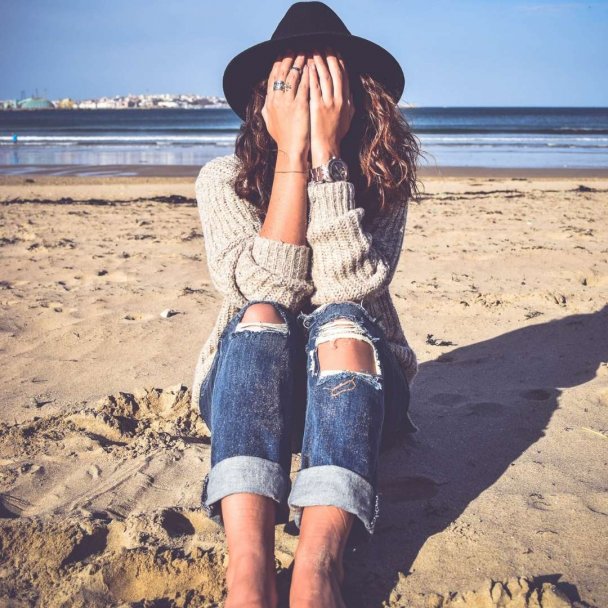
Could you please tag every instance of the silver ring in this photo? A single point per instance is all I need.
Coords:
(295, 67)
(281, 85)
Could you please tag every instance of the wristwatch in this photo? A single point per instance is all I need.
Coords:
(334, 170)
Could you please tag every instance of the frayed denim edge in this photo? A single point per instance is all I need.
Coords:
(330, 484)
(244, 474)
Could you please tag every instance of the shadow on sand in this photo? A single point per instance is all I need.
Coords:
(479, 408)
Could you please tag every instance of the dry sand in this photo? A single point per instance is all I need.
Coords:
(499, 500)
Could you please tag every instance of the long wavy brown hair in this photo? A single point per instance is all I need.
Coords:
(380, 149)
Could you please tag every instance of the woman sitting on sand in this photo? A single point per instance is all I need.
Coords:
(307, 354)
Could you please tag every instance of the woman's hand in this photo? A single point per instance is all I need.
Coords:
(331, 105)
(287, 113)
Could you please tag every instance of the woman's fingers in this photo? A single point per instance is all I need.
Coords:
(284, 70)
(336, 73)
(279, 72)
(345, 80)
(324, 77)
(313, 83)
(273, 75)
(327, 75)
(304, 82)
(294, 76)
(330, 101)
(331, 80)
(286, 112)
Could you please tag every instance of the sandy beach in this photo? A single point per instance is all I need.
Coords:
(500, 499)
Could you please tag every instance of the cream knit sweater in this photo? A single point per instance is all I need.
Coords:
(342, 260)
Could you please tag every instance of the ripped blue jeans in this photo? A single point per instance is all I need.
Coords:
(265, 397)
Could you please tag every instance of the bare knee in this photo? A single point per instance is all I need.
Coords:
(343, 346)
(346, 354)
(262, 312)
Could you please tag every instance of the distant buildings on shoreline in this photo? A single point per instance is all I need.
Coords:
(118, 102)
(122, 102)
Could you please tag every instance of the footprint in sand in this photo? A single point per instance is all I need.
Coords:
(7, 509)
(94, 471)
(538, 501)
(447, 399)
(118, 561)
(537, 394)
(597, 502)
(515, 592)
(176, 523)
(484, 408)
(138, 316)
(409, 488)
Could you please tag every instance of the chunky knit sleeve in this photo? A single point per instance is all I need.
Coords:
(349, 262)
(242, 264)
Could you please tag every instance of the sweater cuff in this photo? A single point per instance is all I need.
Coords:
(284, 259)
(330, 199)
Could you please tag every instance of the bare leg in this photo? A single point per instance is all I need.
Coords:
(318, 571)
(250, 575)
(249, 521)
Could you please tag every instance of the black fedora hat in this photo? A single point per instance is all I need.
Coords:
(305, 25)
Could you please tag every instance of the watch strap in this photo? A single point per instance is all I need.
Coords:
(320, 174)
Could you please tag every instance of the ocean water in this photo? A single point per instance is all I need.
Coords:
(450, 137)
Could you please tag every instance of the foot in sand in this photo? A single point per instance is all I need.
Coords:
(251, 581)
(316, 583)
(318, 571)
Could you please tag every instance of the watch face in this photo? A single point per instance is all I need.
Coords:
(338, 169)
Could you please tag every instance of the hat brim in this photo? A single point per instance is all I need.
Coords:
(360, 56)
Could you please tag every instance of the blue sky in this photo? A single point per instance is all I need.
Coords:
(453, 52)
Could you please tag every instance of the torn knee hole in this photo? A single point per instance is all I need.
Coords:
(343, 345)
(262, 317)
(263, 312)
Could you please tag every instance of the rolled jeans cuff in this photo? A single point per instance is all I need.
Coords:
(245, 474)
(330, 484)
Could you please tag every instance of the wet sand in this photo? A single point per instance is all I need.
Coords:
(18, 172)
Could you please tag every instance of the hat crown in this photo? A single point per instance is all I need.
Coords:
(308, 18)
(307, 25)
